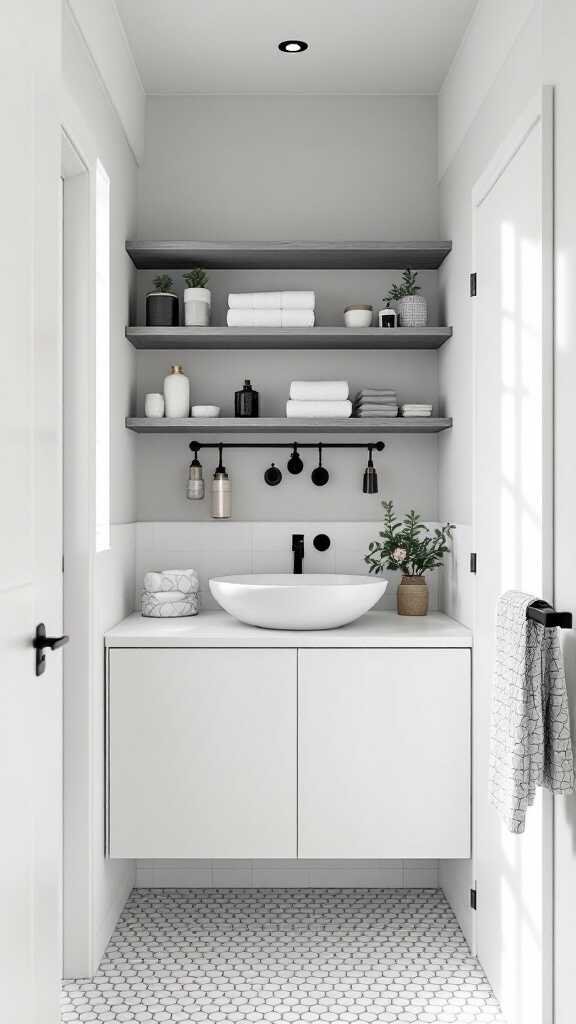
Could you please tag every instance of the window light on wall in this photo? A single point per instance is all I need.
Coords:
(102, 360)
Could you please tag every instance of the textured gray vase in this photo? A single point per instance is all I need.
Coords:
(412, 311)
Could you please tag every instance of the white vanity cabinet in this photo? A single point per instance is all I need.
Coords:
(228, 741)
(202, 753)
(384, 753)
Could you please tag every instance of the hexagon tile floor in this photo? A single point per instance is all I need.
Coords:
(287, 955)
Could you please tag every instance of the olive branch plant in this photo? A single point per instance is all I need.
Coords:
(408, 544)
(408, 287)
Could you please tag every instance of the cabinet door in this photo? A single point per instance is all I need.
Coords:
(384, 753)
(202, 753)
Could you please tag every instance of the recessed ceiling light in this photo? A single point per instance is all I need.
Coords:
(293, 46)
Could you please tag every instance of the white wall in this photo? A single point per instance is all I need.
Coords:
(487, 113)
(294, 167)
(560, 71)
(97, 121)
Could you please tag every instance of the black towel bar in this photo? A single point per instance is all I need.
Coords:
(543, 613)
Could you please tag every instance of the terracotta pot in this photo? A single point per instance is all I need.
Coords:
(413, 596)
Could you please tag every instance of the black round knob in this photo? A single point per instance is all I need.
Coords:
(321, 542)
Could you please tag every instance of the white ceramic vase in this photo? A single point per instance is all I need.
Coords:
(176, 394)
(154, 406)
(197, 302)
(412, 311)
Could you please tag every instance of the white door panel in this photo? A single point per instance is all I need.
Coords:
(30, 515)
(513, 459)
(384, 753)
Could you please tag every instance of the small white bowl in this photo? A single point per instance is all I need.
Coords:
(358, 316)
(205, 411)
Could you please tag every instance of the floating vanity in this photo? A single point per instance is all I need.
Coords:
(229, 741)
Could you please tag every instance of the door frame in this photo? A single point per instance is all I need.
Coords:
(79, 353)
(540, 110)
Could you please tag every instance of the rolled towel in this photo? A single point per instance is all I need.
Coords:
(319, 390)
(318, 410)
(270, 318)
(169, 605)
(272, 300)
(172, 580)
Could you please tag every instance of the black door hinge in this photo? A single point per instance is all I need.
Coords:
(473, 284)
(473, 561)
(473, 898)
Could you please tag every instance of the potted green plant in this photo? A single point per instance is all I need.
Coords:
(408, 546)
(412, 308)
(197, 298)
(162, 304)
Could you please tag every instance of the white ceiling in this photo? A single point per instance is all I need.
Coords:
(356, 46)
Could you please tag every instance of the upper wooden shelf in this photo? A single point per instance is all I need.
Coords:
(288, 337)
(288, 255)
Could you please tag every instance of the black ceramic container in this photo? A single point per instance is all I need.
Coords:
(162, 309)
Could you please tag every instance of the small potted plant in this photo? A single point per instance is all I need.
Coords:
(197, 298)
(410, 547)
(162, 304)
(412, 308)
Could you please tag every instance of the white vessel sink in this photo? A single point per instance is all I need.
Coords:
(285, 601)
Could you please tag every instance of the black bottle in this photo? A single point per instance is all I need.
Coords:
(246, 401)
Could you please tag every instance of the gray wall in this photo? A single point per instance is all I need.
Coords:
(260, 167)
(294, 167)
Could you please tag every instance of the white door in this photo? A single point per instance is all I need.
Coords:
(30, 515)
(513, 499)
(384, 753)
(202, 753)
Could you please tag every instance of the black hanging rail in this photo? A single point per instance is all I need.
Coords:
(377, 446)
(546, 615)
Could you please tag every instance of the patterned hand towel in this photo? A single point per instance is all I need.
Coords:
(530, 742)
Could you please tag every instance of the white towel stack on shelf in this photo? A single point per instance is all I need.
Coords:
(271, 309)
(416, 409)
(317, 399)
(374, 402)
(171, 593)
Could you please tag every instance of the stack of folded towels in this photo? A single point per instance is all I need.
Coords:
(376, 402)
(171, 593)
(271, 309)
(416, 409)
(318, 398)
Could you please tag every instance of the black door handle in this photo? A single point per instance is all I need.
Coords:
(41, 643)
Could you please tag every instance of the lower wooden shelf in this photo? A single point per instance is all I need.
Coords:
(263, 425)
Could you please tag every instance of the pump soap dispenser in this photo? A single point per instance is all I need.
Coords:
(246, 401)
(221, 492)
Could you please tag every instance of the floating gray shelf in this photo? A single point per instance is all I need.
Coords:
(288, 337)
(288, 255)
(262, 425)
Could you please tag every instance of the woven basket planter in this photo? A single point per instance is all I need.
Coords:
(412, 311)
(412, 596)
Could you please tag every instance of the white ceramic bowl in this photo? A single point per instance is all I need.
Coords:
(358, 317)
(206, 411)
(286, 601)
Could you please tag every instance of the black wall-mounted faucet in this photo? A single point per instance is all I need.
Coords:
(298, 551)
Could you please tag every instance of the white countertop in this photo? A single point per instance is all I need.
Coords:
(218, 629)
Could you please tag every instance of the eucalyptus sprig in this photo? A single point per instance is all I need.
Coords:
(408, 544)
(196, 278)
(163, 283)
(408, 286)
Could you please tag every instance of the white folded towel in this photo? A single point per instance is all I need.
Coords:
(272, 300)
(387, 410)
(270, 318)
(319, 390)
(172, 580)
(317, 410)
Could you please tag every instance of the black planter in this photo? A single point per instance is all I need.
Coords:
(162, 310)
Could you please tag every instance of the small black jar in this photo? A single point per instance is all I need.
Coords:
(162, 309)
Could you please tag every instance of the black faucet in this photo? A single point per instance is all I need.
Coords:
(298, 549)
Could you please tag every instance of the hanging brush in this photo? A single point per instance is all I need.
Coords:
(370, 482)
